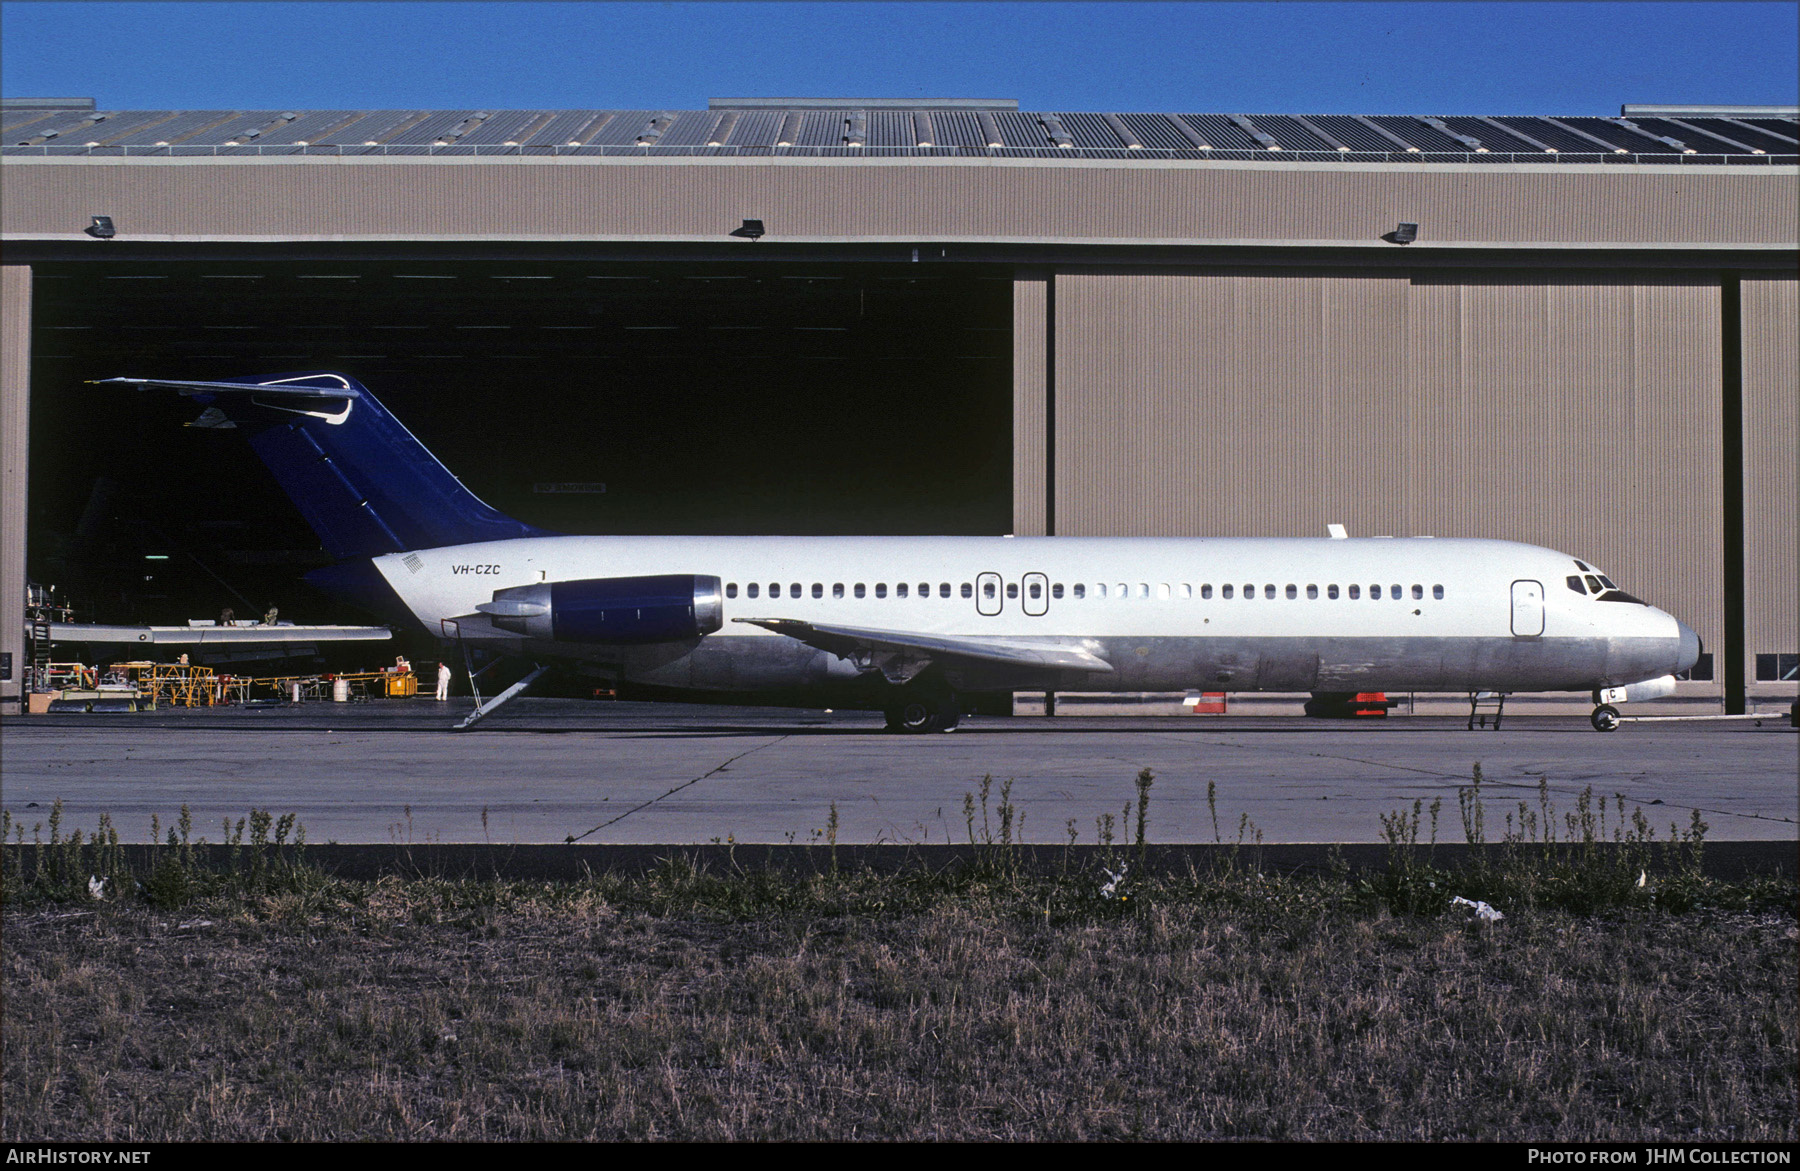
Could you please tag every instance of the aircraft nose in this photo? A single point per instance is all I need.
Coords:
(1691, 646)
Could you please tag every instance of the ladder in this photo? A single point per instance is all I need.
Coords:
(1480, 703)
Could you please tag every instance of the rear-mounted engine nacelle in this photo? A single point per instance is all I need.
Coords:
(670, 607)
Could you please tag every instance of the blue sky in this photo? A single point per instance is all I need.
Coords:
(1371, 58)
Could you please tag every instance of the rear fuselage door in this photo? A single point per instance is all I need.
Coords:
(1035, 595)
(988, 595)
(1527, 609)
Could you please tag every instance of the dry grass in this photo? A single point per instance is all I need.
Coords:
(766, 1007)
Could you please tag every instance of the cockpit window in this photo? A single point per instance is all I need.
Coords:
(1594, 585)
(1607, 582)
(1574, 580)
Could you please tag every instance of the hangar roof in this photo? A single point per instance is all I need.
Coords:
(883, 130)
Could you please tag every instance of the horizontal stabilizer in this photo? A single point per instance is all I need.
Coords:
(236, 636)
(847, 641)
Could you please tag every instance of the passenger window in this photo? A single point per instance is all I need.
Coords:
(881, 589)
(968, 591)
(1100, 590)
(1162, 591)
(1312, 593)
(925, 590)
(731, 589)
(1418, 592)
(1293, 591)
(1143, 589)
(1055, 590)
(1225, 590)
(794, 590)
(837, 589)
(1331, 592)
(1012, 589)
(818, 589)
(943, 589)
(1375, 593)
(1574, 583)
(1037, 590)
(1187, 589)
(987, 589)
(1355, 592)
(1268, 591)
(774, 589)
(1249, 592)
(1080, 589)
(1206, 590)
(751, 589)
(900, 590)
(1437, 592)
(1122, 591)
(862, 591)
(1395, 593)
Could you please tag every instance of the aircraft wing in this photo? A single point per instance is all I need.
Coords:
(269, 390)
(234, 636)
(905, 653)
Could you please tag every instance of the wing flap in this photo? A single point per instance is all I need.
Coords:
(849, 641)
(260, 389)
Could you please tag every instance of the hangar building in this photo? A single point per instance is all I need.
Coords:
(958, 317)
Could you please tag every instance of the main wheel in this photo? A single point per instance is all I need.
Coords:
(923, 706)
(1605, 718)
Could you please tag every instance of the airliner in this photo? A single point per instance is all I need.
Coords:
(924, 621)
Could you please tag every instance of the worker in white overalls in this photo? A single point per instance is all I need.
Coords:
(443, 691)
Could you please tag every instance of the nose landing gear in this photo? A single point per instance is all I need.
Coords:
(1605, 718)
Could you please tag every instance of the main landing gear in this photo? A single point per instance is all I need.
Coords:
(1605, 718)
(923, 705)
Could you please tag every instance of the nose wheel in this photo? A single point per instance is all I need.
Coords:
(1605, 718)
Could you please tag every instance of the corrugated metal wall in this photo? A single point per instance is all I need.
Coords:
(1030, 430)
(361, 198)
(1577, 411)
(15, 415)
(1771, 331)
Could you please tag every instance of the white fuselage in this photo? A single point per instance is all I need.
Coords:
(1227, 614)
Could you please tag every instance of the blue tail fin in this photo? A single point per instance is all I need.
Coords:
(359, 477)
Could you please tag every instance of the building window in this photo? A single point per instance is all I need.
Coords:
(1701, 671)
(1777, 668)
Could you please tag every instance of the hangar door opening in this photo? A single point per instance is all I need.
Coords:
(581, 397)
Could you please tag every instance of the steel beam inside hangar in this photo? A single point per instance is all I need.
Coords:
(1074, 335)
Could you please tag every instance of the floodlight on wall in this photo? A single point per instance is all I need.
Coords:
(1404, 234)
(102, 228)
(752, 230)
